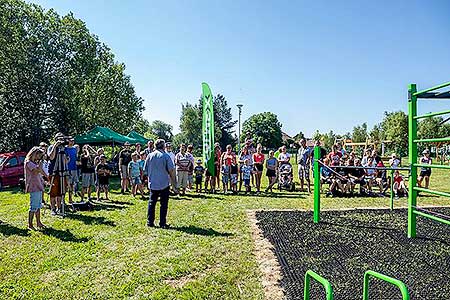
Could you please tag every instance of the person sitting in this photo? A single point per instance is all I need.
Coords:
(380, 175)
(399, 186)
(394, 162)
(325, 173)
(370, 173)
(357, 176)
(335, 156)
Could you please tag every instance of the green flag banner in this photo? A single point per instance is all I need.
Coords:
(208, 128)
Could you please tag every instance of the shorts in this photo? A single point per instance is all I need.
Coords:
(198, 179)
(35, 201)
(123, 172)
(225, 178)
(136, 180)
(303, 172)
(55, 188)
(104, 186)
(233, 178)
(258, 167)
(247, 182)
(271, 173)
(73, 177)
(424, 173)
(87, 179)
(182, 179)
(190, 179)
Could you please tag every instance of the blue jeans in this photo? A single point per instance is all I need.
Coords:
(163, 196)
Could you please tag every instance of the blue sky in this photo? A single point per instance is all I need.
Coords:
(316, 64)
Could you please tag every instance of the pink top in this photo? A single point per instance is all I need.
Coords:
(33, 181)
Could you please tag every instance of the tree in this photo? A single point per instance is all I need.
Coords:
(298, 136)
(142, 126)
(395, 128)
(266, 129)
(57, 76)
(161, 130)
(359, 134)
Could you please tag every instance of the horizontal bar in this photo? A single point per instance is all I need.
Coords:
(396, 282)
(362, 167)
(434, 218)
(419, 189)
(442, 95)
(432, 89)
(436, 140)
(432, 114)
(431, 166)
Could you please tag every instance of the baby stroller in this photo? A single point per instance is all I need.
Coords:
(286, 178)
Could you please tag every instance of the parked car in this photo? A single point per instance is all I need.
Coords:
(11, 168)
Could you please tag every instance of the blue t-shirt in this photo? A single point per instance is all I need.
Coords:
(157, 166)
(135, 169)
(71, 152)
(142, 164)
(246, 171)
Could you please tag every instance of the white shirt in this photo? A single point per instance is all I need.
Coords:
(172, 156)
(284, 157)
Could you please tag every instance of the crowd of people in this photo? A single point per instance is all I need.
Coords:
(158, 171)
(343, 171)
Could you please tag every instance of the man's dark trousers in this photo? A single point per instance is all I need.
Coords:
(163, 195)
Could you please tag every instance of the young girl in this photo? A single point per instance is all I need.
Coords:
(246, 170)
(271, 173)
(34, 184)
(103, 172)
(135, 171)
(399, 185)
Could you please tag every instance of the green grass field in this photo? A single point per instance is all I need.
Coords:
(109, 253)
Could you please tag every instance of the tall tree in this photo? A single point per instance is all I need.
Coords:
(395, 128)
(266, 129)
(161, 130)
(56, 75)
(360, 134)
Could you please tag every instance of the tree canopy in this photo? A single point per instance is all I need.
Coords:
(265, 128)
(57, 76)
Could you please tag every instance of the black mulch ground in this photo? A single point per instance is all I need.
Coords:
(347, 243)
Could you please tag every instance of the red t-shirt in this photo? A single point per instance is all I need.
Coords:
(258, 158)
(335, 158)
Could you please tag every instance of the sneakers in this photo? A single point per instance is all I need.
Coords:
(53, 213)
(150, 225)
(165, 226)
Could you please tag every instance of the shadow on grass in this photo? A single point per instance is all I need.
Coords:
(200, 231)
(89, 220)
(8, 230)
(111, 205)
(63, 235)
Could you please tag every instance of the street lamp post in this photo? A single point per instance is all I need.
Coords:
(239, 106)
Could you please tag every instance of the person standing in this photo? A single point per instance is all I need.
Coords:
(216, 178)
(57, 179)
(271, 173)
(190, 149)
(183, 164)
(169, 152)
(87, 171)
(72, 153)
(258, 165)
(244, 155)
(150, 148)
(34, 184)
(425, 173)
(226, 161)
(304, 164)
(160, 170)
(124, 160)
(103, 172)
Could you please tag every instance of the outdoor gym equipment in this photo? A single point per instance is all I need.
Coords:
(396, 282)
(316, 170)
(326, 284)
(413, 210)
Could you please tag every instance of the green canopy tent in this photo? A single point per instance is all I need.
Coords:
(103, 136)
(140, 138)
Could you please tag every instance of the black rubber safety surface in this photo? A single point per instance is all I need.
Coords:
(347, 243)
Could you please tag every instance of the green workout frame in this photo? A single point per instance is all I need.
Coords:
(326, 284)
(413, 96)
(396, 282)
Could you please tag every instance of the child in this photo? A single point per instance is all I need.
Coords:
(425, 173)
(225, 170)
(135, 171)
(207, 180)
(103, 172)
(370, 173)
(198, 171)
(399, 185)
(246, 170)
(234, 177)
(34, 184)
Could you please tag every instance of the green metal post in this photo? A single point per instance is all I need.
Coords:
(311, 274)
(412, 152)
(396, 282)
(316, 184)
(392, 191)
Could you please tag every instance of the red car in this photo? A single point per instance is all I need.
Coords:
(11, 168)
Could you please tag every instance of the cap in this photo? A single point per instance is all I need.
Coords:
(126, 144)
(426, 151)
(199, 161)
